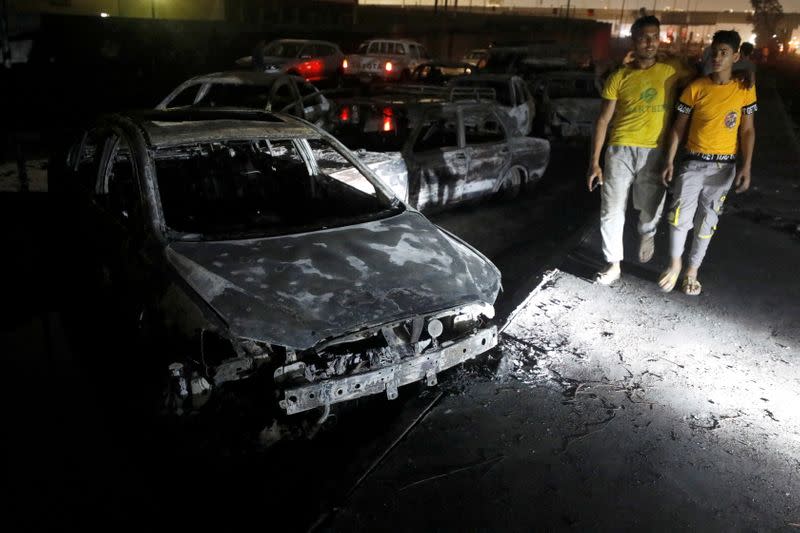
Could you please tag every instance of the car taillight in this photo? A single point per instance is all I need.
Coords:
(388, 122)
(388, 66)
(345, 64)
(344, 114)
(311, 69)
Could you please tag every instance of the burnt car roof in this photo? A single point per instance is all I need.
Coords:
(241, 77)
(181, 126)
(487, 77)
(303, 41)
(446, 63)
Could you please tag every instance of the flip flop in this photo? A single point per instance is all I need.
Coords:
(671, 279)
(691, 286)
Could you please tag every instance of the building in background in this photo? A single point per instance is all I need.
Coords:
(160, 9)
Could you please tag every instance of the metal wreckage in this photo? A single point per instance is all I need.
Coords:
(247, 256)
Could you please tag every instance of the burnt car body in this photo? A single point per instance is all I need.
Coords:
(511, 92)
(281, 93)
(254, 246)
(440, 72)
(568, 104)
(456, 152)
(313, 60)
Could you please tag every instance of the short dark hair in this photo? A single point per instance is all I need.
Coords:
(641, 22)
(729, 37)
(746, 49)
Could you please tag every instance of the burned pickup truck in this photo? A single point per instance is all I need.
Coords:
(245, 257)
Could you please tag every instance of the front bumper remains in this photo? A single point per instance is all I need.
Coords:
(388, 378)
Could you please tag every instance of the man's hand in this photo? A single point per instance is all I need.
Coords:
(666, 175)
(742, 180)
(595, 174)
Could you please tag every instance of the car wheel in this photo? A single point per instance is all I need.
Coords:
(511, 184)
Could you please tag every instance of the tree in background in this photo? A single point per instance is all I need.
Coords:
(767, 17)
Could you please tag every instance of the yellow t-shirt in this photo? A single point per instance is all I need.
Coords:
(716, 112)
(644, 102)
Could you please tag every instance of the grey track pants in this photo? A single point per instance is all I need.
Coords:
(629, 167)
(699, 192)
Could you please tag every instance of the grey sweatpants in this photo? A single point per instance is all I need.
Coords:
(629, 167)
(699, 192)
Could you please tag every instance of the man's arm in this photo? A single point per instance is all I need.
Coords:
(747, 141)
(595, 173)
(674, 138)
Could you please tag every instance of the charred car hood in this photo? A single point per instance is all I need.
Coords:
(298, 290)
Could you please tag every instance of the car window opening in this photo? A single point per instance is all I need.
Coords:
(262, 188)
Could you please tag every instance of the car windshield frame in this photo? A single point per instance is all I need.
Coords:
(390, 205)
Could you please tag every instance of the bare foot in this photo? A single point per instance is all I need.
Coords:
(668, 278)
(647, 247)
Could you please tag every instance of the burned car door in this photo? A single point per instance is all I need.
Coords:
(120, 222)
(315, 106)
(523, 106)
(437, 161)
(488, 149)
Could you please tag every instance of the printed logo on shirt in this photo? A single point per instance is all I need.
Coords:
(648, 94)
(730, 119)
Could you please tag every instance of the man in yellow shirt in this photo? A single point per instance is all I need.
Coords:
(636, 107)
(719, 111)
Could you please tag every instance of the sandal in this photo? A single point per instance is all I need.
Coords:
(691, 286)
(669, 279)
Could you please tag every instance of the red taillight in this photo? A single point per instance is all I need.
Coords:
(388, 66)
(388, 123)
(344, 114)
(345, 64)
(311, 69)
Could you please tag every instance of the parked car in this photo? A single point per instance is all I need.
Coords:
(254, 246)
(511, 92)
(457, 152)
(568, 103)
(313, 60)
(476, 58)
(384, 59)
(252, 90)
(440, 72)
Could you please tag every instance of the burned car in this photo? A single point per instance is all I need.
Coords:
(457, 152)
(511, 92)
(247, 256)
(568, 103)
(252, 90)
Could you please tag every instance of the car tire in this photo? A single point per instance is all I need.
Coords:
(511, 184)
